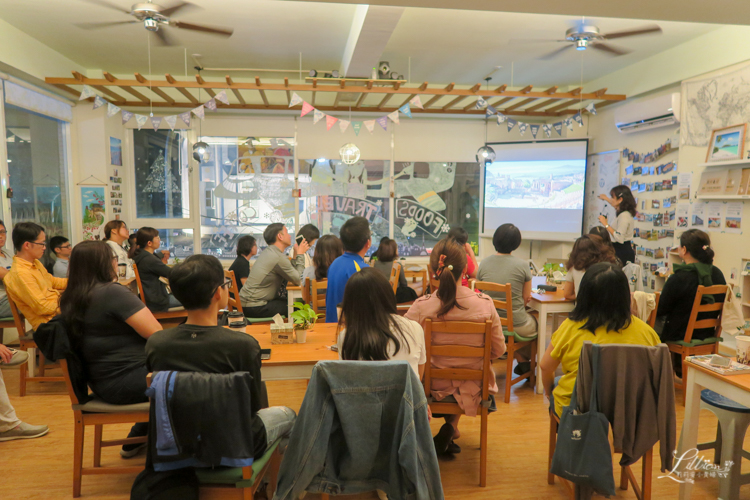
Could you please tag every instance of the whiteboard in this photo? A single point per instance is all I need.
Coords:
(602, 174)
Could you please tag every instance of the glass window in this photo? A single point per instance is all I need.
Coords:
(333, 192)
(245, 186)
(37, 166)
(161, 179)
(179, 242)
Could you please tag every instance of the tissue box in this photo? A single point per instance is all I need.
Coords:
(282, 334)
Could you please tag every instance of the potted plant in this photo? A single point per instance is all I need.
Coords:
(549, 270)
(304, 318)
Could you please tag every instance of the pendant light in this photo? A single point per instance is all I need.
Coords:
(349, 152)
(485, 154)
(201, 150)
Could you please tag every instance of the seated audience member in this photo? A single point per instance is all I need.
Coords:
(602, 316)
(503, 268)
(10, 426)
(115, 234)
(199, 345)
(109, 326)
(272, 268)
(6, 261)
(61, 247)
(588, 250)
(311, 234)
(460, 236)
(455, 302)
(387, 257)
(679, 291)
(356, 239)
(35, 291)
(246, 249)
(151, 268)
(602, 232)
(328, 249)
(377, 332)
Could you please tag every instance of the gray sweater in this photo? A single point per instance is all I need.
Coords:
(267, 274)
(385, 269)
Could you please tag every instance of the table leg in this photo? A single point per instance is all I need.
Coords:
(289, 307)
(542, 346)
(689, 435)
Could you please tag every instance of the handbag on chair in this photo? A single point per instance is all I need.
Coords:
(583, 455)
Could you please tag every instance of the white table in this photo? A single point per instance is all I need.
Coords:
(544, 304)
(735, 387)
(293, 294)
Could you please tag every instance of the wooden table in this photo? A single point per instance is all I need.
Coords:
(295, 361)
(544, 304)
(735, 387)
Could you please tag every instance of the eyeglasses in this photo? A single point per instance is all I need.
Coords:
(3, 232)
(43, 244)
(66, 246)
(226, 284)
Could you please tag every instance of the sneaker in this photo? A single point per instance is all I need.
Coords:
(453, 448)
(24, 431)
(522, 368)
(443, 439)
(131, 450)
(18, 358)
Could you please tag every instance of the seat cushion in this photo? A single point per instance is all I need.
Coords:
(233, 475)
(259, 320)
(96, 405)
(714, 399)
(516, 337)
(8, 319)
(696, 342)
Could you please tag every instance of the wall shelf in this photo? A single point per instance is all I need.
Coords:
(720, 197)
(729, 163)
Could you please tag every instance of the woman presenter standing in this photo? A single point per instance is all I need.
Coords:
(621, 230)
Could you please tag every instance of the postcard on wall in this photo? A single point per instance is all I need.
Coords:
(745, 182)
(734, 178)
(698, 215)
(683, 185)
(713, 215)
(733, 217)
(712, 181)
(115, 151)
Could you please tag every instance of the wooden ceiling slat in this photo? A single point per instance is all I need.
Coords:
(520, 104)
(455, 101)
(542, 104)
(384, 101)
(431, 101)
(117, 98)
(502, 101)
(408, 99)
(564, 105)
(469, 106)
(336, 100)
(162, 94)
(70, 90)
(181, 90)
(209, 91)
(235, 91)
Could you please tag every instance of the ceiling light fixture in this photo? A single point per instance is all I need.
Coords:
(485, 154)
(349, 153)
(201, 150)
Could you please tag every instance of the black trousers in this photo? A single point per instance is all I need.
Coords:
(127, 389)
(624, 252)
(271, 309)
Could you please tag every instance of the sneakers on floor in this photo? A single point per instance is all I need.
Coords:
(24, 431)
(131, 450)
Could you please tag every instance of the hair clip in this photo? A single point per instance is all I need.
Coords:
(450, 267)
(705, 247)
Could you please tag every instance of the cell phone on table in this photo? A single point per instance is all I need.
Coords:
(720, 361)
(265, 354)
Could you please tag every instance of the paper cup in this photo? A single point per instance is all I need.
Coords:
(743, 349)
(301, 336)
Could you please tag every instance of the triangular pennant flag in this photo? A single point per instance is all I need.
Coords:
(86, 93)
(369, 125)
(405, 109)
(591, 108)
(306, 108)
(141, 120)
(534, 130)
(185, 117)
(547, 129)
(344, 124)
(490, 111)
(569, 124)
(522, 127)
(222, 97)
(500, 119)
(330, 121)
(126, 116)
(211, 104)
(558, 127)
(480, 103)
(171, 121)
(383, 122)
(317, 116)
(394, 117)
(200, 112)
(579, 119)
(156, 121)
(112, 110)
(356, 126)
(511, 124)
(416, 102)
(98, 101)
(295, 100)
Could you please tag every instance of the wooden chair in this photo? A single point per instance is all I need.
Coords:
(434, 284)
(652, 316)
(234, 303)
(483, 376)
(513, 341)
(710, 345)
(174, 312)
(421, 276)
(393, 279)
(26, 342)
(319, 299)
(98, 413)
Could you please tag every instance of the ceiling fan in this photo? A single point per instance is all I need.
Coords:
(585, 36)
(154, 17)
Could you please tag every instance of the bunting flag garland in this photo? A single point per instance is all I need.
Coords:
(306, 108)
(522, 127)
(86, 93)
(569, 124)
(416, 102)
(356, 126)
(511, 124)
(200, 112)
(369, 125)
(156, 121)
(394, 117)
(579, 119)
(383, 122)
(98, 101)
(295, 100)
(317, 116)
(405, 109)
(480, 103)
(490, 111)
(330, 121)
(112, 110)
(591, 108)
(500, 118)
(222, 97)
(141, 120)
(558, 128)
(126, 116)
(534, 130)
(211, 104)
(185, 117)
(547, 130)
(343, 125)
(171, 121)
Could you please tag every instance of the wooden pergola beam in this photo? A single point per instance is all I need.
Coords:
(141, 79)
(361, 99)
(235, 91)
(455, 101)
(261, 92)
(384, 101)
(520, 104)
(181, 90)
(527, 89)
(502, 101)
(209, 90)
(542, 104)
(564, 105)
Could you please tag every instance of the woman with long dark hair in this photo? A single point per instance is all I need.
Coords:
(109, 326)
(602, 316)
(151, 268)
(621, 199)
(455, 302)
(588, 250)
(327, 249)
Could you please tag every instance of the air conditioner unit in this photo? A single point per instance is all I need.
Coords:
(648, 113)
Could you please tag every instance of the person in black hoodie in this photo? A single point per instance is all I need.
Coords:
(151, 268)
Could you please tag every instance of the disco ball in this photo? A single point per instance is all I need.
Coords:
(349, 153)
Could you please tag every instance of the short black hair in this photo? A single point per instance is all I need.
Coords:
(459, 234)
(354, 234)
(245, 245)
(272, 231)
(310, 232)
(23, 232)
(195, 280)
(56, 242)
(604, 299)
(506, 238)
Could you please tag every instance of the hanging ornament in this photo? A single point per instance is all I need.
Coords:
(349, 153)
(201, 151)
(485, 155)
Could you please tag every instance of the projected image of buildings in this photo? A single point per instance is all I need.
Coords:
(554, 184)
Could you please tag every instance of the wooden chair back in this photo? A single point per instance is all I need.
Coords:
(68, 382)
(393, 279)
(306, 295)
(18, 318)
(319, 299)
(505, 304)
(694, 323)
(179, 313)
(138, 281)
(434, 284)
(421, 275)
(652, 316)
(234, 299)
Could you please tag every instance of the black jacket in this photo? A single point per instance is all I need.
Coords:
(53, 340)
(151, 269)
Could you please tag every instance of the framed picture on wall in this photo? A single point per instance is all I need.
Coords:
(727, 143)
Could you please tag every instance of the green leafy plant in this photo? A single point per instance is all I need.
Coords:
(549, 268)
(304, 316)
(475, 247)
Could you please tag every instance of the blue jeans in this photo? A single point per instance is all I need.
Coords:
(278, 421)
(4, 307)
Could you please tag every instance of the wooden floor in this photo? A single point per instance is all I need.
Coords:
(42, 468)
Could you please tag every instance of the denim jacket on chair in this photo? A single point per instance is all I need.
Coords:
(362, 426)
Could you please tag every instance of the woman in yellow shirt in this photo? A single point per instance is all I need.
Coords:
(602, 316)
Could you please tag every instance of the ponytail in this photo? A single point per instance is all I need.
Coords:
(448, 261)
(142, 237)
